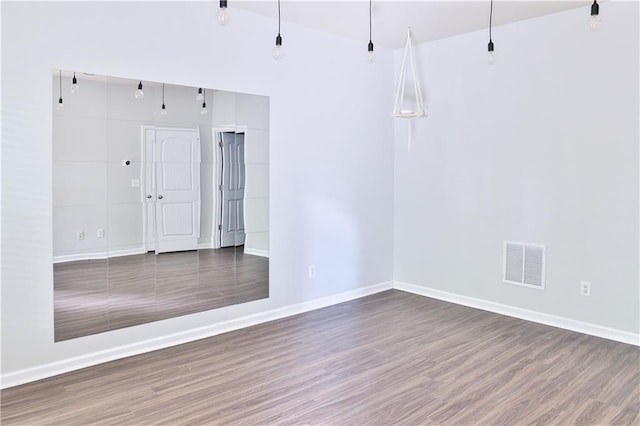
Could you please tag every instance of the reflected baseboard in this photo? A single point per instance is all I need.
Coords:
(247, 250)
(256, 252)
(98, 255)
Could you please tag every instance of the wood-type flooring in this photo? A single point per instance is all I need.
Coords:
(392, 358)
(94, 296)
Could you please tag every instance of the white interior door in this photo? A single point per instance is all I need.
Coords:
(233, 182)
(177, 156)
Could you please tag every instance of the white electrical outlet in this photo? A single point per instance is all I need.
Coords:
(80, 235)
(312, 271)
(585, 288)
(135, 183)
(100, 232)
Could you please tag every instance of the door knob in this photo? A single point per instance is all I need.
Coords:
(160, 197)
(149, 196)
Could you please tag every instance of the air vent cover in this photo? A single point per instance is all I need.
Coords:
(524, 264)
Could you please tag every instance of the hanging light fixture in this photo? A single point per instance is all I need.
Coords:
(139, 94)
(594, 21)
(60, 105)
(223, 14)
(491, 57)
(74, 84)
(408, 103)
(278, 52)
(199, 95)
(371, 57)
(203, 110)
(164, 108)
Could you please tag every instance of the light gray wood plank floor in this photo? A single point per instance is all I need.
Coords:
(390, 358)
(94, 296)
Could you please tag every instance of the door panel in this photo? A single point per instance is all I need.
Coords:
(233, 181)
(178, 219)
(177, 155)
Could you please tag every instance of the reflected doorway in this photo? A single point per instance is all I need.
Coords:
(233, 181)
(172, 191)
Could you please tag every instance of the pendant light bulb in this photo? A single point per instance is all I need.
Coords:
(223, 13)
(594, 20)
(371, 56)
(74, 84)
(199, 95)
(278, 51)
(60, 105)
(491, 56)
(139, 94)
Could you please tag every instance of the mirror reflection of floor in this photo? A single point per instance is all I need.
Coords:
(93, 296)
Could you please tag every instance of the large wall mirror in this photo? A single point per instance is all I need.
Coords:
(160, 201)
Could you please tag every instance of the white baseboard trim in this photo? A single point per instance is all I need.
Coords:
(99, 255)
(256, 252)
(63, 366)
(525, 314)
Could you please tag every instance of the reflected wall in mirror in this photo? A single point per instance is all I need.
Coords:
(160, 201)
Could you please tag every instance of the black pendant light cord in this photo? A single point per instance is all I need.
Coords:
(278, 37)
(60, 86)
(162, 93)
(278, 17)
(490, 19)
(370, 38)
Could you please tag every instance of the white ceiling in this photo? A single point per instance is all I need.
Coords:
(428, 19)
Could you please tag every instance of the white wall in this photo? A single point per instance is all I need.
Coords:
(541, 147)
(330, 149)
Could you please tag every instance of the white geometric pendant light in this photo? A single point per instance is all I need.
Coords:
(408, 100)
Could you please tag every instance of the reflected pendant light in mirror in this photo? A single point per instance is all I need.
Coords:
(163, 111)
(278, 52)
(371, 56)
(139, 94)
(203, 110)
(595, 20)
(223, 14)
(74, 84)
(60, 102)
